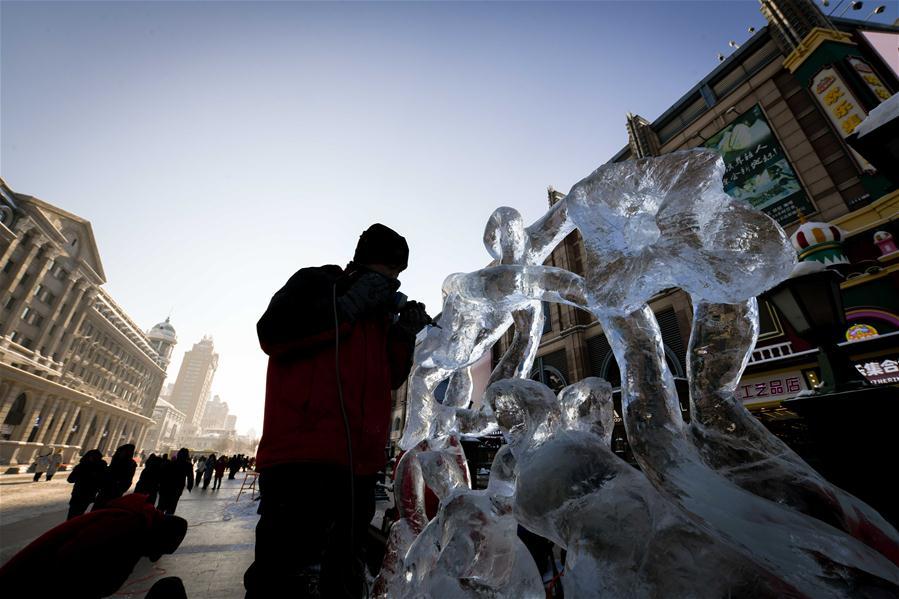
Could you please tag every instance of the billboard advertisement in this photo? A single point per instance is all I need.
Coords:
(757, 168)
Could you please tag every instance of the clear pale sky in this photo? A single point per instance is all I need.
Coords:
(218, 147)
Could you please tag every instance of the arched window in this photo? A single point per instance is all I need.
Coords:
(14, 418)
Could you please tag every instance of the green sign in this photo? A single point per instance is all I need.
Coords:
(757, 169)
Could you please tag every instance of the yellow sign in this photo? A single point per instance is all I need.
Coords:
(870, 78)
(841, 106)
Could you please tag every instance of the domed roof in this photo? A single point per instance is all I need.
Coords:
(813, 233)
(164, 331)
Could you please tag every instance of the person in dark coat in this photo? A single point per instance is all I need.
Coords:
(208, 470)
(118, 476)
(233, 466)
(95, 552)
(88, 475)
(338, 340)
(148, 483)
(176, 474)
(220, 466)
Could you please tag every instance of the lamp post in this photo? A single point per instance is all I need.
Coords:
(813, 306)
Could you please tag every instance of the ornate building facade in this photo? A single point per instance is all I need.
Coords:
(75, 371)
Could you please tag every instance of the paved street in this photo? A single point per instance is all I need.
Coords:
(211, 560)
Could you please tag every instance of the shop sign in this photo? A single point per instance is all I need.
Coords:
(879, 372)
(756, 168)
(870, 78)
(840, 105)
(772, 387)
(860, 331)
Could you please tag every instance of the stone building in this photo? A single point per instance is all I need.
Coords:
(215, 414)
(75, 371)
(165, 434)
(777, 88)
(163, 340)
(192, 387)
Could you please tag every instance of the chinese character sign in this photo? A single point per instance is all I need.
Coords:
(879, 372)
(771, 387)
(840, 105)
(757, 168)
(870, 78)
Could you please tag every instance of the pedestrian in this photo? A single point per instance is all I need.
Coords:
(54, 463)
(148, 483)
(233, 466)
(220, 466)
(87, 476)
(208, 470)
(118, 476)
(201, 468)
(175, 475)
(338, 341)
(92, 555)
(42, 463)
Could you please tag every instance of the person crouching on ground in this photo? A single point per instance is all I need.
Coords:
(95, 552)
(328, 396)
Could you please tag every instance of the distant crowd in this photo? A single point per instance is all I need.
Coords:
(120, 529)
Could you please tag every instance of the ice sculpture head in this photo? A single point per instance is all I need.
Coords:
(504, 236)
(587, 406)
(665, 221)
(525, 410)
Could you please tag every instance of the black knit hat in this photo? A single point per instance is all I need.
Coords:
(382, 245)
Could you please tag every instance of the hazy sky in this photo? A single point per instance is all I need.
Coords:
(218, 147)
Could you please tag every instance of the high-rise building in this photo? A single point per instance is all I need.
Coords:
(231, 422)
(194, 382)
(215, 414)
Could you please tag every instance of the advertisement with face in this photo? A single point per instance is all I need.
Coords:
(757, 170)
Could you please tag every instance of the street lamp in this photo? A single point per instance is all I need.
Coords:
(854, 6)
(813, 306)
(876, 11)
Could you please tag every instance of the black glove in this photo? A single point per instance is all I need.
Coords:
(413, 318)
(368, 293)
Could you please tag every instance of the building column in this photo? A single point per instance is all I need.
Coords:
(22, 431)
(19, 271)
(89, 413)
(102, 422)
(8, 252)
(88, 298)
(81, 287)
(9, 400)
(16, 310)
(54, 411)
(63, 423)
(53, 317)
(142, 438)
(114, 431)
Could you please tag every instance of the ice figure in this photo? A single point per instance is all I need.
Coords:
(724, 486)
(733, 442)
(478, 308)
(623, 538)
(470, 549)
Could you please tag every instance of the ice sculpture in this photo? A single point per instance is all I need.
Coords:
(574, 491)
(734, 443)
(745, 506)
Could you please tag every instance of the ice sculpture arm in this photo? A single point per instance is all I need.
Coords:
(548, 231)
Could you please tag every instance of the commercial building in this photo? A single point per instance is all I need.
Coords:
(192, 387)
(75, 371)
(779, 109)
(165, 434)
(215, 414)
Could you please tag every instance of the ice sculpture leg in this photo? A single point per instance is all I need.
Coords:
(810, 556)
(518, 360)
(470, 549)
(733, 442)
(573, 490)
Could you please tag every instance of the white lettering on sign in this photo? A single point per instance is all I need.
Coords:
(879, 372)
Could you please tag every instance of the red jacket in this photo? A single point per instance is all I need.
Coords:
(85, 557)
(303, 420)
